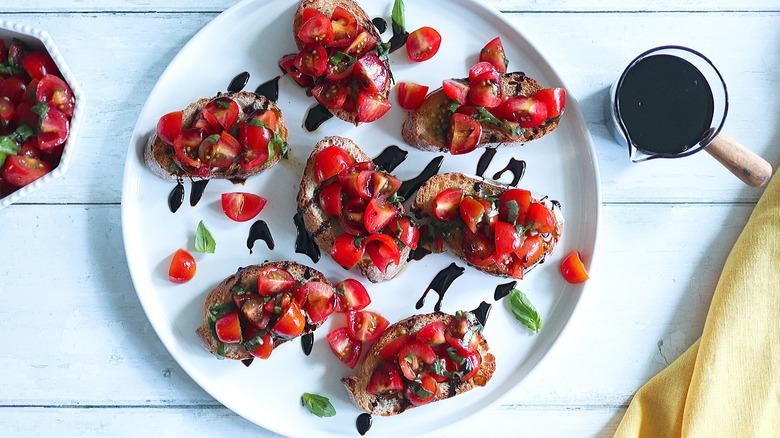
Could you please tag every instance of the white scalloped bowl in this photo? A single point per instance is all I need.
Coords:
(40, 40)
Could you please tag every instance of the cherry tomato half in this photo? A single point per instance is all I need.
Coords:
(423, 43)
(345, 252)
(320, 300)
(486, 89)
(331, 161)
(572, 268)
(371, 106)
(20, 170)
(386, 379)
(182, 267)
(273, 280)
(382, 249)
(312, 60)
(344, 347)
(169, 126)
(365, 325)
(330, 199)
(527, 111)
(224, 109)
(554, 100)
(471, 211)
(414, 358)
(445, 205)
(410, 95)
(455, 90)
(344, 26)
(465, 133)
(316, 29)
(228, 328)
(378, 214)
(291, 322)
(371, 74)
(493, 52)
(242, 206)
(351, 295)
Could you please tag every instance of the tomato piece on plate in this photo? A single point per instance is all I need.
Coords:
(386, 379)
(493, 52)
(331, 161)
(573, 270)
(13, 88)
(378, 214)
(532, 250)
(506, 238)
(471, 211)
(186, 146)
(455, 90)
(228, 328)
(414, 358)
(225, 110)
(56, 93)
(169, 126)
(330, 199)
(219, 150)
(446, 203)
(390, 351)
(527, 111)
(422, 392)
(242, 206)
(344, 347)
(382, 249)
(522, 199)
(479, 68)
(371, 74)
(404, 230)
(344, 26)
(182, 267)
(432, 334)
(423, 43)
(312, 60)
(291, 322)
(287, 64)
(264, 348)
(540, 218)
(371, 106)
(465, 133)
(554, 99)
(273, 280)
(316, 29)
(320, 300)
(345, 252)
(478, 249)
(54, 130)
(410, 95)
(365, 325)
(330, 94)
(486, 89)
(362, 43)
(351, 295)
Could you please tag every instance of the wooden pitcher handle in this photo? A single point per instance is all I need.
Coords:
(741, 161)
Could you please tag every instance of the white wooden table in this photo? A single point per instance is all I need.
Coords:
(79, 357)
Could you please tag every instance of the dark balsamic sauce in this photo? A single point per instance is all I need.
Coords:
(259, 231)
(176, 197)
(316, 116)
(380, 24)
(503, 290)
(197, 191)
(409, 187)
(418, 253)
(484, 160)
(517, 167)
(482, 312)
(363, 423)
(269, 89)
(307, 342)
(238, 83)
(248, 362)
(441, 282)
(304, 243)
(390, 158)
(397, 40)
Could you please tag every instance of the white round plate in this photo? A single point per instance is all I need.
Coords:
(252, 36)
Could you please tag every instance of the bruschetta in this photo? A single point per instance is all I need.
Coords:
(229, 136)
(352, 210)
(338, 61)
(263, 306)
(419, 360)
(498, 229)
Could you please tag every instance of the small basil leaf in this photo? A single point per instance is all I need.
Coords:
(524, 311)
(399, 21)
(318, 405)
(204, 241)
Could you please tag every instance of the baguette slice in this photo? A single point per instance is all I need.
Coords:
(247, 276)
(159, 156)
(423, 127)
(363, 20)
(323, 229)
(480, 187)
(393, 404)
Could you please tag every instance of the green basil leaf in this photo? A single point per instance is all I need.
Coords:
(40, 108)
(318, 405)
(513, 211)
(8, 146)
(399, 21)
(204, 241)
(524, 311)
(22, 133)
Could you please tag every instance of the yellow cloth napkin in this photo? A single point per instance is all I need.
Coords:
(728, 383)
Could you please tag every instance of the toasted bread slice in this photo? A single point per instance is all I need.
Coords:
(159, 156)
(363, 20)
(480, 187)
(395, 403)
(246, 277)
(426, 127)
(323, 229)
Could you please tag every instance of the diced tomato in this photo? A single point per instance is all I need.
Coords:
(242, 206)
(290, 323)
(56, 93)
(410, 95)
(493, 52)
(340, 70)
(378, 214)
(352, 217)
(456, 90)
(527, 111)
(330, 94)
(465, 133)
(391, 349)
(470, 365)
(330, 199)
(54, 130)
(182, 267)
(572, 268)
(228, 328)
(461, 334)
(39, 63)
(423, 43)
(252, 309)
(532, 250)
(7, 110)
(255, 138)
(371, 106)
(414, 358)
(351, 295)
(219, 151)
(471, 211)
(371, 74)
(320, 300)
(554, 99)
(13, 88)
(362, 43)
(365, 325)
(432, 334)
(266, 347)
(382, 250)
(486, 89)
(510, 264)
(405, 231)
(386, 379)
(225, 111)
(287, 64)
(478, 248)
(273, 280)
(356, 183)
(423, 392)
(542, 218)
(331, 161)
(507, 239)
(519, 196)
(316, 29)
(445, 205)
(186, 146)
(479, 68)
(383, 185)
(169, 127)
(344, 347)
(344, 27)
(345, 252)
(312, 60)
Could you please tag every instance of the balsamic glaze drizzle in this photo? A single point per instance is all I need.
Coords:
(307, 342)
(197, 191)
(482, 312)
(363, 423)
(304, 243)
(248, 362)
(390, 158)
(176, 197)
(238, 83)
(269, 89)
(418, 253)
(259, 230)
(409, 187)
(380, 24)
(316, 116)
(484, 160)
(503, 290)
(517, 167)
(441, 282)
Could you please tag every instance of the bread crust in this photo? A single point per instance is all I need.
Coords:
(159, 156)
(480, 187)
(327, 7)
(322, 228)
(248, 275)
(422, 127)
(393, 404)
